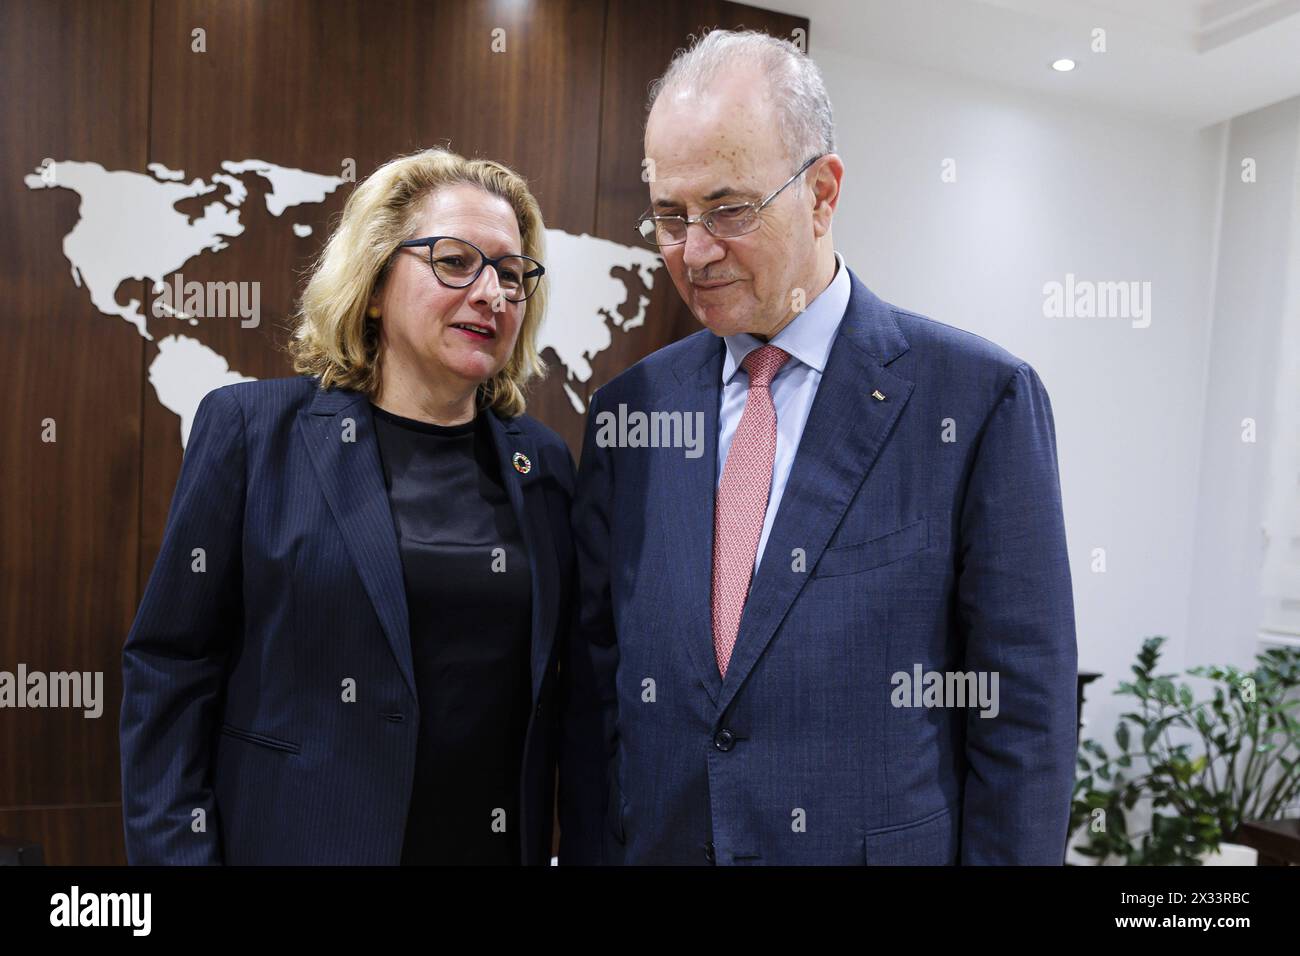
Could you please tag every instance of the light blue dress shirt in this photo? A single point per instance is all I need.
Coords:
(808, 339)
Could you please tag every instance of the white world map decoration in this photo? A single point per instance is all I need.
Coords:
(128, 228)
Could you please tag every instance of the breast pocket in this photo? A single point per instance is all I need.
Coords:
(885, 549)
(261, 740)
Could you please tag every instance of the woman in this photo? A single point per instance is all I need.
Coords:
(347, 651)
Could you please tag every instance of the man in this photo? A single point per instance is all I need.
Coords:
(845, 633)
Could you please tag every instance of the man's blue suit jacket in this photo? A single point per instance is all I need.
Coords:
(921, 527)
(233, 676)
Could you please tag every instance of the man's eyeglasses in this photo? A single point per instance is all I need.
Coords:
(457, 263)
(724, 222)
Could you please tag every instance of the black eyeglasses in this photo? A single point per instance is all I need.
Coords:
(457, 263)
(724, 222)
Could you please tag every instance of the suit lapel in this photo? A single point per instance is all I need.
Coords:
(845, 431)
(339, 432)
(700, 374)
(528, 502)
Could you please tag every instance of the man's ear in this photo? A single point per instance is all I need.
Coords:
(826, 192)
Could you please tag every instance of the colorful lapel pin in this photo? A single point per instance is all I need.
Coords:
(521, 463)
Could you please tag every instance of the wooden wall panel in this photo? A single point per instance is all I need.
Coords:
(299, 83)
(89, 835)
(75, 78)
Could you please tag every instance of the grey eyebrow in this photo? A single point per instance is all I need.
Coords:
(711, 197)
(725, 191)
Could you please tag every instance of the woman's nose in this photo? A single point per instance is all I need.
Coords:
(487, 288)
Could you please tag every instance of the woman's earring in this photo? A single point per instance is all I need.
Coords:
(373, 311)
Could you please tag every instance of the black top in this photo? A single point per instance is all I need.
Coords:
(469, 593)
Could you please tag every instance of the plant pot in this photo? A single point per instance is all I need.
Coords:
(1232, 854)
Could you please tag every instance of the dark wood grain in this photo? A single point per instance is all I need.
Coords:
(85, 835)
(300, 83)
(76, 86)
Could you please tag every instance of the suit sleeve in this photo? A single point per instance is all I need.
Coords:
(1016, 609)
(589, 715)
(174, 661)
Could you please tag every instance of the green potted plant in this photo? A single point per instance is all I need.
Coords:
(1240, 760)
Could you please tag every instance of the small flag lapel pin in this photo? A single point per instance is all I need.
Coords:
(877, 394)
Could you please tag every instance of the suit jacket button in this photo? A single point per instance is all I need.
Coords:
(723, 740)
(538, 711)
(708, 853)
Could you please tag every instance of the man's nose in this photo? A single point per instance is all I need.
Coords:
(702, 247)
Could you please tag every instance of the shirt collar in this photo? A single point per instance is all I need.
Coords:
(808, 338)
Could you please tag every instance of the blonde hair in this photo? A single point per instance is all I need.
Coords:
(336, 342)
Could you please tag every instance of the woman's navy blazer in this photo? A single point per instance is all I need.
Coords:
(269, 710)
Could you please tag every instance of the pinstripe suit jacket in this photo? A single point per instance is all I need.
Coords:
(278, 581)
(921, 528)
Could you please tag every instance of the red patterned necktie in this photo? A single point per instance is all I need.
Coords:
(742, 500)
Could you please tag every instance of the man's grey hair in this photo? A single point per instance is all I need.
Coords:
(794, 83)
